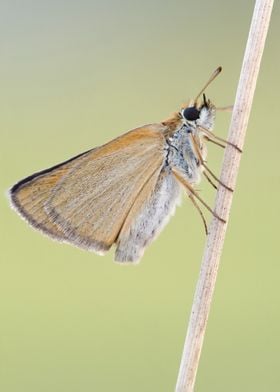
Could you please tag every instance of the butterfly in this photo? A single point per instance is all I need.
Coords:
(124, 192)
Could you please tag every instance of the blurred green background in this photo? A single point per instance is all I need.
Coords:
(73, 76)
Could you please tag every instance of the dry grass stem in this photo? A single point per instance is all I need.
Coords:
(210, 262)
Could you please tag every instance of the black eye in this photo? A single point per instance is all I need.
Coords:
(191, 114)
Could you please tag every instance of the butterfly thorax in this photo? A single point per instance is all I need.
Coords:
(186, 148)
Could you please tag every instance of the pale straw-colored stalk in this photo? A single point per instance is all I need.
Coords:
(215, 240)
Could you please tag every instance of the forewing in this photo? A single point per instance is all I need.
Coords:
(86, 201)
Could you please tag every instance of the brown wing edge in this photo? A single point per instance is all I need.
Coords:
(96, 246)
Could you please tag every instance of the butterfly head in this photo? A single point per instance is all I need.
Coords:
(199, 114)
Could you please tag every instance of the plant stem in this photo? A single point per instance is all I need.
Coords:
(215, 240)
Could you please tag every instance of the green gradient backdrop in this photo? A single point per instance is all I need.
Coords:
(74, 75)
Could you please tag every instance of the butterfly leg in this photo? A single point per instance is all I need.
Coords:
(192, 191)
(212, 136)
(197, 150)
(200, 212)
(215, 177)
(214, 142)
(209, 180)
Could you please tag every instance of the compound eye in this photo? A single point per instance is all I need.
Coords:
(191, 113)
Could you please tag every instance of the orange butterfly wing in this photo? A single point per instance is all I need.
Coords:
(86, 200)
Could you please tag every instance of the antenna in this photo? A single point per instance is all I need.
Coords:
(210, 80)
